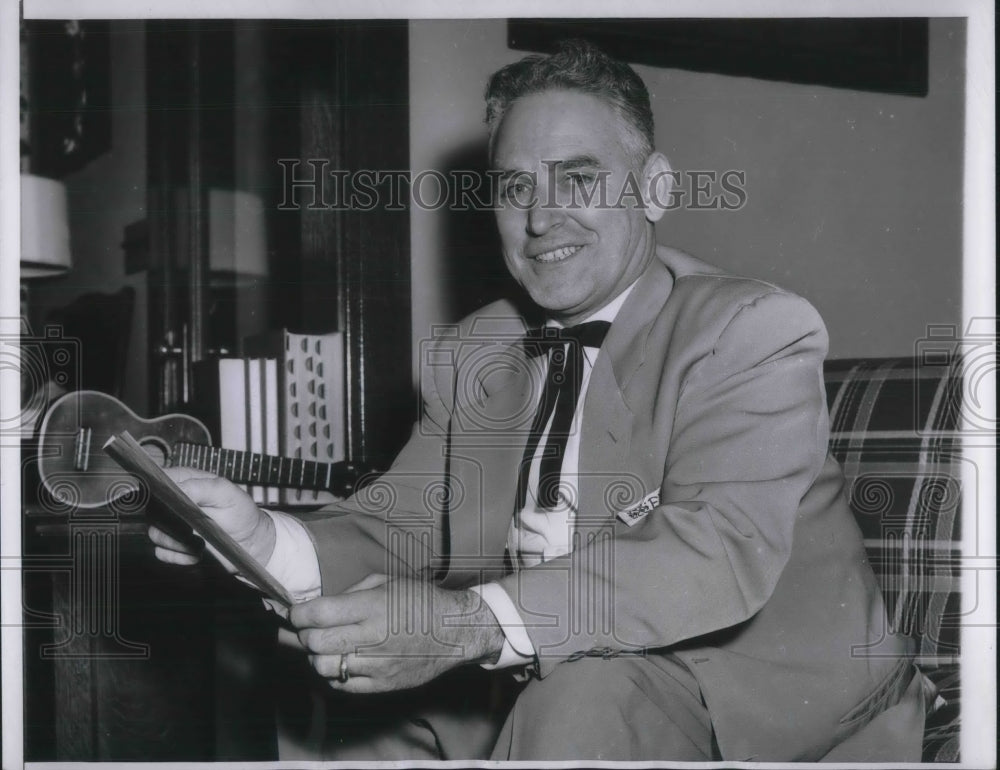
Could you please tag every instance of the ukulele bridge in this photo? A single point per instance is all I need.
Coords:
(81, 449)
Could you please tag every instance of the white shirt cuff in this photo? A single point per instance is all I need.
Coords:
(517, 648)
(293, 561)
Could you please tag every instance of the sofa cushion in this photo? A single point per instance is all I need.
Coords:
(894, 427)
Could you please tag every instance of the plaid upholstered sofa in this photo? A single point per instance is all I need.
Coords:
(894, 426)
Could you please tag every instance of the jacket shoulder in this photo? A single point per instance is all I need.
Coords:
(451, 349)
(702, 291)
(500, 322)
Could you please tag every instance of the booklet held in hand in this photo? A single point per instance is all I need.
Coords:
(128, 453)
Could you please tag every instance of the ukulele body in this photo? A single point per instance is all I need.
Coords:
(72, 464)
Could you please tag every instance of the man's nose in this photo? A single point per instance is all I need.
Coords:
(542, 218)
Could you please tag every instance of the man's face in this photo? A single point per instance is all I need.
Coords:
(571, 256)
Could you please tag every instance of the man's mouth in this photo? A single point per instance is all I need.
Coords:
(557, 255)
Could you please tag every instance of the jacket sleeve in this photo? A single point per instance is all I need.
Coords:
(395, 525)
(749, 438)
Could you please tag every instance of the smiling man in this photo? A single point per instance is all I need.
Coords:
(630, 508)
(559, 149)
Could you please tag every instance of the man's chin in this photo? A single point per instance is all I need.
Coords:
(553, 305)
(565, 313)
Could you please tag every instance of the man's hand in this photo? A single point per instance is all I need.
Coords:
(232, 509)
(395, 634)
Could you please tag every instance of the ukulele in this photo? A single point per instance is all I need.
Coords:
(74, 469)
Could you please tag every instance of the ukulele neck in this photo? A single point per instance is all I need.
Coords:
(242, 467)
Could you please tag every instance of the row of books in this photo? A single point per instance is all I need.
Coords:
(284, 401)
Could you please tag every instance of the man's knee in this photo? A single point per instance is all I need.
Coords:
(619, 708)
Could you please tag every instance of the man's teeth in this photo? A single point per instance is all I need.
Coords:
(558, 254)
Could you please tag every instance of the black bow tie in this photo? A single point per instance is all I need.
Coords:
(560, 394)
(540, 341)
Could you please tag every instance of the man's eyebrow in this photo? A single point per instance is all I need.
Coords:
(579, 161)
(568, 164)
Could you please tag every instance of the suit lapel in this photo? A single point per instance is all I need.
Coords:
(605, 440)
(485, 452)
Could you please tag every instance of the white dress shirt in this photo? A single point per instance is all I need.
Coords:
(535, 535)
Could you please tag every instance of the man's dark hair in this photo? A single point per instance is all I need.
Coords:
(577, 65)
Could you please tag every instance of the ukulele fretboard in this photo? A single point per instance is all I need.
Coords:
(253, 468)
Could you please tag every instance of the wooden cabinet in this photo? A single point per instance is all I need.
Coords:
(127, 658)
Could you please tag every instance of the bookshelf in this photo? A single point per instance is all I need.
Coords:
(341, 99)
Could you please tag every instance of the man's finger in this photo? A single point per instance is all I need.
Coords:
(167, 542)
(361, 675)
(328, 666)
(372, 581)
(336, 640)
(332, 611)
(173, 557)
(288, 638)
(210, 491)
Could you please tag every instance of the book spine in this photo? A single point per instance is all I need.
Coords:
(255, 422)
(270, 389)
(232, 409)
(313, 411)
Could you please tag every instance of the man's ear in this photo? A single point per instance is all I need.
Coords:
(657, 183)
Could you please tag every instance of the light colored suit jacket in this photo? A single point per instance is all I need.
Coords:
(708, 393)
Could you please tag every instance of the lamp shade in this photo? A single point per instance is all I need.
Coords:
(44, 227)
(237, 238)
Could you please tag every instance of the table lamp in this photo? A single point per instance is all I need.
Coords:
(44, 253)
(44, 228)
